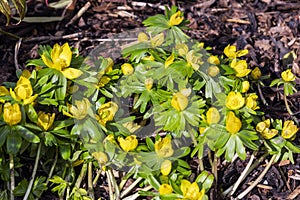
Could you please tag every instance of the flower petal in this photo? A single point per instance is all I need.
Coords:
(71, 73)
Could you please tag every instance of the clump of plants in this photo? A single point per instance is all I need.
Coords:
(75, 119)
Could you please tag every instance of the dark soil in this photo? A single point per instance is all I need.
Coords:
(269, 29)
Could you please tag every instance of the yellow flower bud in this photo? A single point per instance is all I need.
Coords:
(149, 83)
(129, 143)
(12, 114)
(245, 86)
(233, 124)
(191, 191)
(176, 19)
(179, 101)
(45, 120)
(213, 71)
(193, 60)
(288, 75)
(261, 126)
(269, 133)
(234, 101)
(142, 37)
(127, 69)
(165, 189)
(101, 157)
(289, 129)
(213, 116)
(169, 61)
(251, 101)
(230, 51)
(213, 60)
(163, 147)
(166, 167)
(256, 73)
(103, 81)
(241, 68)
(106, 112)
(79, 110)
(157, 40)
(23, 91)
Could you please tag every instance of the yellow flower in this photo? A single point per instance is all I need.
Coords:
(103, 81)
(131, 126)
(230, 52)
(142, 37)
(179, 101)
(213, 60)
(245, 86)
(157, 40)
(261, 126)
(12, 114)
(127, 69)
(213, 71)
(234, 101)
(148, 83)
(251, 101)
(151, 58)
(169, 61)
(163, 147)
(60, 60)
(191, 191)
(23, 91)
(233, 124)
(193, 60)
(240, 67)
(183, 49)
(79, 110)
(176, 19)
(45, 120)
(256, 73)
(101, 157)
(165, 189)
(26, 73)
(3, 92)
(269, 133)
(106, 112)
(166, 167)
(289, 129)
(288, 75)
(202, 129)
(212, 116)
(129, 143)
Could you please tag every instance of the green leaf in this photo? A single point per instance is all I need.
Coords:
(240, 149)
(21, 188)
(31, 113)
(230, 148)
(4, 130)
(60, 4)
(65, 150)
(208, 182)
(153, 181)
(5, 9)
(13, 143)
(290, 146)
(26, 134)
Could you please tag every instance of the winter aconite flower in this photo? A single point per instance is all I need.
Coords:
(106, 112)
(179, 101)
(127, 69)
(169, 61)
(149, 83)
(23, 91)
(163, 147)
(157, 40)
(165, 189)
(3, 92)
(235, 101)
(233, 123)
(288, 75)
(264, 129)
(101, 157)
(213, 60)
(166, 167)
(241, 68)
(251, 101)
(193, 60)
(12, 114)
(60, 59)
(129, 143)
(176, 19)
(256, 73)
(212, 116)
(245, 86)
(79, 110)
(45, 120)
(230, 52)
(142, 37)
(289, 129)
(191, 191)
(213, 71)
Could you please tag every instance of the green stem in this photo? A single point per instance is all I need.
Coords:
(111, 193)
(215, 168)
(98, 173)
(127, 190)
(90, 181)
(9, 34)
(52, 167)
(12, 176)
(192, 135)
(81, 175)
(114, 185)
(136, 195)
(243, 194)
(33, 172)
(287, 105)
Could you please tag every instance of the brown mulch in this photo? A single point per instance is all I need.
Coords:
(269, 29)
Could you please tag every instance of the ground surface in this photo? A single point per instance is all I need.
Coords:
(267, 28)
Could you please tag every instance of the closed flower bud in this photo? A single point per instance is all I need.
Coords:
(261, 126)
(45, 120)
(165, 189)
(213, 60)
(212, 116)
(23, 91)
(169, 61)
(179, 101)
(166, 167)
(101, 157)
(12, 114)
(127, 69)
(79, 110)
(176, 19)
(233, 124)
(163, 147)
(256, 73)
(251, 101)
(288, 75)
(234, 101)
(289, 129)
(245, 86)
(106, 112)
(213, 71)
(129, 143)
(149, 83)
(142, 37)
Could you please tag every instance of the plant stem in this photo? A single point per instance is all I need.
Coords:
(90, 181)
(192, 135)
(9, 34)
(12, 176)
(136, 195)
(52, 167)
(98, 173)
(258, 179)
(111, 193)
(215, 168)
(287, 105)
(127, 190)
(33, 172)
(81, 175)
(114, 185)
